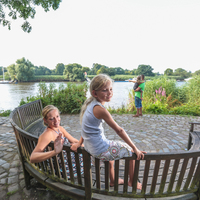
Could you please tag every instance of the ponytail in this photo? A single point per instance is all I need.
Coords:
(84, 106)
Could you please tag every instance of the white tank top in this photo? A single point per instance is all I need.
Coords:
(92, 132)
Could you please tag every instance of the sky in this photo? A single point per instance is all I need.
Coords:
(115, 33)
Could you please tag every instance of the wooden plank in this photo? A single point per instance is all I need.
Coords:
(180, 180)
(164, 176)
(196, 176)
(155, 176)
(190, 174)
(64, 174)
(78, 169)
(97, 169)
(116, 175)
(126, 172)
(135, 177)
(87, 175)
(107, 174)
(173, 175)
(146, 173)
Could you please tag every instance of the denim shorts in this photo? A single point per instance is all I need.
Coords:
(138, 102)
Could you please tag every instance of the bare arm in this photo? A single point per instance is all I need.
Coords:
(138, 88)
(134, 81)
(102, 113)
(38, 154)
(75, 146)
(68, 136)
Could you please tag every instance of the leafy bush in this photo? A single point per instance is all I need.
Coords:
(5, 113)
(67, 99)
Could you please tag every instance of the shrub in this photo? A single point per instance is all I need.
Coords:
(67, 99)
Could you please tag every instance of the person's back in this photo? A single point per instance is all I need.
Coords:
(92, 131)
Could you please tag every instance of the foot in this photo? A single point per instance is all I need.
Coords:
(140, 114)
(135, 115)
(120, 182)
(139, 185)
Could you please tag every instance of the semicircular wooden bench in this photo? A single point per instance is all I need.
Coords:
(161, 174)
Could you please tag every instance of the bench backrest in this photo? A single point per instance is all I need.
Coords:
(161, 174)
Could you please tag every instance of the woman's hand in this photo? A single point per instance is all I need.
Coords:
(58, 144)
(75, 146)
(140, 154)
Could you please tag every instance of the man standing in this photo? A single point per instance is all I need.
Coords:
(138, 99)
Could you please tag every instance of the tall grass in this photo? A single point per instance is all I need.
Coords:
(162, 96)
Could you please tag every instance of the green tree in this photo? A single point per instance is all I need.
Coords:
(127, 72)
(168, 72)
(12, 71)
(74, 72)
(24, 9)
(95, 68)
(22, 71)
(41, 70)
(145, 69)
(1, 70)
(182, 72)
(102, 70)
(119, 70)
(197, 72)
(53, 71)
(86, 69)
(60, 68)
(111, 71)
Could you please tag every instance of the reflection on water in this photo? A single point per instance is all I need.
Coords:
(11, 94)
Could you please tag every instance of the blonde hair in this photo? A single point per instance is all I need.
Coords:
(96, 84)
(46, 110)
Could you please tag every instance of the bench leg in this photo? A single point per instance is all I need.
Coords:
(189, 142)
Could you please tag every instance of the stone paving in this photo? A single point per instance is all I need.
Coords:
(151, 133)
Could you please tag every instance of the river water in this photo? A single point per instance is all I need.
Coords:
(11, 94)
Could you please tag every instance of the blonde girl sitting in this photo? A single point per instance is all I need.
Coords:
(93, 114)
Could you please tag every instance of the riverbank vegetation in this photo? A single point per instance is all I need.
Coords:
(68, 99)
(24, 71)
(162, 96)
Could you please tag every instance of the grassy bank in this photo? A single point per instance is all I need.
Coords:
(162, 96)
(48, 78)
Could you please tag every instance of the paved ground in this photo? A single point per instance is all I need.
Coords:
(152, 133)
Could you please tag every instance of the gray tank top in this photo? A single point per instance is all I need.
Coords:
(92, 132)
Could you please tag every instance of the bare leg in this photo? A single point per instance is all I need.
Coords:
(131, 174)
(112, 174)
(137, 114)
(140, 111)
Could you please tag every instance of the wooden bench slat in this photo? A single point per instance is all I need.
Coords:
(78, 169)
(116, 175)
(192, 167)
(185, 162)
(97, 168)
(155, 176)
(146, 173)
(107, 174)
(126, 172)
(64, 174)
(135, 177)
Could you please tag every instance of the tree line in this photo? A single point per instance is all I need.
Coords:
(24, 70)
